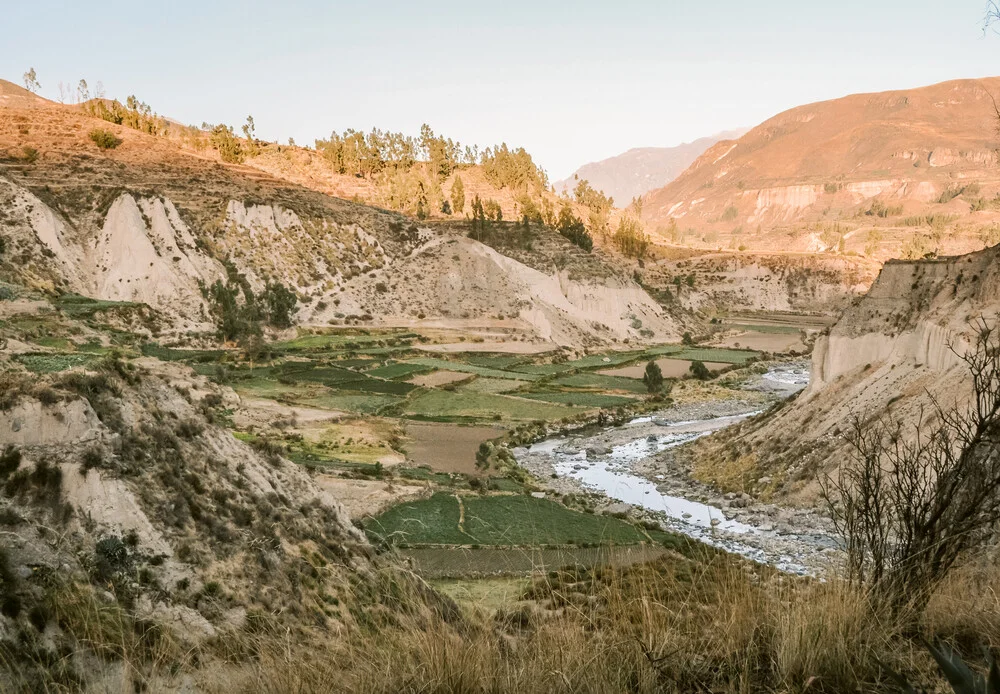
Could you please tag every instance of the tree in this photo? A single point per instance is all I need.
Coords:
(229, 147)
(687, 340)
(630, 238)
(572, 228)
(31, 81)
(653, 377)
(82, 91)
(700, 371)
(249, 132)
(913, 501)
(458, 196)
(279, 303)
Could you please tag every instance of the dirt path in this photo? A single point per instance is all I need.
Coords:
(461, 515)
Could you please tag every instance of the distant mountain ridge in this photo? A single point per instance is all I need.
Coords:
(887, 174)
(642, 169)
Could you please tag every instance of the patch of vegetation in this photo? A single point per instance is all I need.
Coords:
(580, 399)
(512, 521)
(880, 209)
(104, 139)
(444, 364)
(441, 405)
(54, 363)
(725, 356)
(398, 370)
(134, 114)
(572, 227)
(601, 382)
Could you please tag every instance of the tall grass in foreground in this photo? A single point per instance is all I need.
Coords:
(678, 624)
(670, 626)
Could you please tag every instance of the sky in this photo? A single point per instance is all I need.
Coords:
(571, 82)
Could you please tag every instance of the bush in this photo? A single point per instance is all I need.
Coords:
(700, 371)
(10, 460)
(104, 139)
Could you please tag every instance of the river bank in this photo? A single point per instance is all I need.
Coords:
(634, 468)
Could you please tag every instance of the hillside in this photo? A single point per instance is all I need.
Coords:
(642, 169)
(157, 218)
(891, 174)
(889, 352)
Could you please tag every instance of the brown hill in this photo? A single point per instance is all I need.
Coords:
(14, 96)
(887, 174)
(154, 218)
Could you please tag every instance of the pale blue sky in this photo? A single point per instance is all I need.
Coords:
(570, 81)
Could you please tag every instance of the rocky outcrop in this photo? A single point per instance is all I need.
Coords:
(891, 352)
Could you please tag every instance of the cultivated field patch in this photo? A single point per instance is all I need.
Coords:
(447, 447)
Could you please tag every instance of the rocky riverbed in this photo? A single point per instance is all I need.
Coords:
(634, 467)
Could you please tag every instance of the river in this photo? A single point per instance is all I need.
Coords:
(631, 467)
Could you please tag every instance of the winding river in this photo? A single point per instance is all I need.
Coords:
(604, 462)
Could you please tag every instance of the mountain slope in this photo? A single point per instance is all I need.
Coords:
(642, 169)
(823, 176)
(153, 221)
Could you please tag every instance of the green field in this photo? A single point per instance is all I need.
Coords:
(494, 361)
(593, 361)
(76, 306)
(601, 382)
(362, 403)
(472, 369)
(398, 370)
(52, 363)
(580, 399)
(505, 520)
(153, 349)
(726, 356)
(491, 385)
(462, 562)
(344, 340)
(464, 405)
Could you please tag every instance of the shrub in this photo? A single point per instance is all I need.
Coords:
(104, 139)
(700, 371)
(29, 155)
(10, 460)
(911, 507)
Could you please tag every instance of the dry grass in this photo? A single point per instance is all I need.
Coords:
(671, 626)
(701, 624)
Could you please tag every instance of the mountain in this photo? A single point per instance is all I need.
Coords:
(886, 174)
(642, 169)
(157, 218)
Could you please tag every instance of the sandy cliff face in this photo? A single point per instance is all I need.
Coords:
(891, 352)
(917, 313)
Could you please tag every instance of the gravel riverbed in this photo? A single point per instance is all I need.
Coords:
(634, 467)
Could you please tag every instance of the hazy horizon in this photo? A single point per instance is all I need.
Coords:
(605, 80)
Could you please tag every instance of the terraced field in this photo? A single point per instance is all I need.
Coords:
(500, 520)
